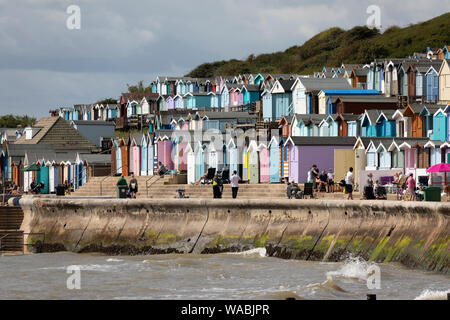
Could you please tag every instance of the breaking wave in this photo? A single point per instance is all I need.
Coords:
(328, 285)
(432, 295)
(353, 268)
(261, 252)
(113, 260)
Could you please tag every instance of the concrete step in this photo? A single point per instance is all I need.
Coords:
(11, 240)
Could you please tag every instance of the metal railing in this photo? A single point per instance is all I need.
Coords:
(1, 241)
(23, 244)
(109, 176)
(158, 177)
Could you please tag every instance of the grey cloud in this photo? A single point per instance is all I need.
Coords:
(124, 41)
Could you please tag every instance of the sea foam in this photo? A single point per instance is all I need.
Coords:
(433, 295)
(353, 268)
(261, 252)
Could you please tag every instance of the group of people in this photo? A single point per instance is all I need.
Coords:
(132, 187)
(217, 184)
(321, 180)
(373, 190)
(10, 188)
(406, 184)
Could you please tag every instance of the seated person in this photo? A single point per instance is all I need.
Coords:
(380, 191)
(323, 180)
(161, 169)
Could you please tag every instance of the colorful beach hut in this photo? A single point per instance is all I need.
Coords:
(274, 160)
(264, 163)
(253, 162)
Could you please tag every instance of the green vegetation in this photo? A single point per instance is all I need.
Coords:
(126, 134)
(11, 121)
(107, 101)
(139, 88)
(335, 46)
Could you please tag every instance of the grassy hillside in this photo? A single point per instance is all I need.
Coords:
(334, 46)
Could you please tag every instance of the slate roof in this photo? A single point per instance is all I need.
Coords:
(228, 115)
(387, 141)
(374, 114)
(361, 72)
(416, 107)
(348, 116)
(96, 158)
(324, 84)
(251, 87)
(93, 123)
(310, 118)
(368, 99)
(56, 131)
(286, 84)
(432, 108)
(325, 141)
(137, 96)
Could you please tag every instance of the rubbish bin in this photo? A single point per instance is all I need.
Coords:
(122, 191)
(432, 194)
(60, 190)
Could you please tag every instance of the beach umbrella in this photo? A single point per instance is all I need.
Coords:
(32, 167)
(441, 167)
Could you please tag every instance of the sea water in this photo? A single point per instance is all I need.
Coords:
(245, 275)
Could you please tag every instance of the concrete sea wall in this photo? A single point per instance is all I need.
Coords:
(413, 233)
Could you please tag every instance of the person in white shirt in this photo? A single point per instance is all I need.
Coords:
(330, 175)
(349, 182)
(234, 184)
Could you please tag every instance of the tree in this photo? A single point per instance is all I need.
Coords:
(107, 101)
(11, 121)
(139, 88)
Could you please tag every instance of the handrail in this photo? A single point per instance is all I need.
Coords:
(109, 176)
(1, 241)
(147, 186)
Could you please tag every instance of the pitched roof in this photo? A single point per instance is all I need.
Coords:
(361, 72)
(286, 84)
(56, 131)
(251, 87)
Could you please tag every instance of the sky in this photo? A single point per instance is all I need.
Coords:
(45, 65)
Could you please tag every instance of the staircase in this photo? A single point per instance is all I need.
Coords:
(11, 237)
(160, 189)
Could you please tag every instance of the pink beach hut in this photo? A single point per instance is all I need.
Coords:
(135, 157)
(264, 163)
(165, 153)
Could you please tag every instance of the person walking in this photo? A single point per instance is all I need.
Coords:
(330, 175)
(234, 184)
(349, 182)
(133, 187)
(411, 184)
